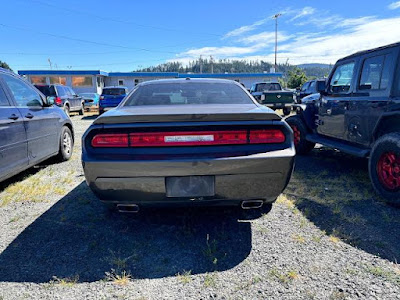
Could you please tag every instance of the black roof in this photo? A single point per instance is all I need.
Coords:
(370, 50)
(183, 80)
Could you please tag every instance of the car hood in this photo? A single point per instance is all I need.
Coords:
(187, 113)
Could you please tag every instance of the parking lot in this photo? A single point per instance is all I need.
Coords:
(327, 236)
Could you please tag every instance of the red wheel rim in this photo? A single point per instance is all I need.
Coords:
(296, 134)
(388, 170)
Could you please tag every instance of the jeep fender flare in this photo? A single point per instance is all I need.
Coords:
(387, 123)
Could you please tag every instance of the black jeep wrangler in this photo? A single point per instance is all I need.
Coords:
(358, 113)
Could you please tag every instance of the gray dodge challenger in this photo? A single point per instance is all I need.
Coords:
(188, 142)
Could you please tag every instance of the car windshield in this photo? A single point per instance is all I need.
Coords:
(114, 91)
(268, 87)
(188, 93)
(47, 90)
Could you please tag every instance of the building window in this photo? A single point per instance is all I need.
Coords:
(81, 81)
(38, 79)
(58, 79)
(137, 81)
(120, 82)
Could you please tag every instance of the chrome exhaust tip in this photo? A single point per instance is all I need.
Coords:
(251, 204)
(128, 208)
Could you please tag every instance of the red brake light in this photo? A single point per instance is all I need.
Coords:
(58, 101)
(110, 140)
(101, 97)
(266, 136)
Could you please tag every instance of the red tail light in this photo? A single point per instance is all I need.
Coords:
(58, 101)
(110, 140)
(101, 97)
(193, 138)
(162, 139)
(266, 136)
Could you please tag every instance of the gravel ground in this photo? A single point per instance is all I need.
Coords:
(327, 237)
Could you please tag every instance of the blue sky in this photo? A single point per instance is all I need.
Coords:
(123, 35)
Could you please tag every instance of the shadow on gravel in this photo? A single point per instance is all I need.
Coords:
(92, 117)
(333, 191)
(79, 237)
(27, 173)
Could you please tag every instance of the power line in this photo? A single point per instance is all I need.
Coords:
(120, 21)
(83, 40)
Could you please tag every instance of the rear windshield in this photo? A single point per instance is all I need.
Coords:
(188, 93)
(47, 90)
(268, 87)
(114, 92)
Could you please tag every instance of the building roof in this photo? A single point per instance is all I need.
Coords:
(147, 74)
(62, 72)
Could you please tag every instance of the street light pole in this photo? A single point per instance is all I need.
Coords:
(276, 38)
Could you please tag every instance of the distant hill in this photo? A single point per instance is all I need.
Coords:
(236, 66)
(316, 70)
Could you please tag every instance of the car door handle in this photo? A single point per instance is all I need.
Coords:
(29, 116)
(13, 117)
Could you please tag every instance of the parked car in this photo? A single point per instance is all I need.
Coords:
(359, 113)
(272, 95)
(31, 128)
(309, 88)
(311, 98)
(64, 97)
(111, 97)
(91, 100)
(188, 142)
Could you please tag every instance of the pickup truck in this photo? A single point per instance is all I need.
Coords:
(358, 112)
(272, 95)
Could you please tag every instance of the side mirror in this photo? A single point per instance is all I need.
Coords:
(50, 100)
(321, 86)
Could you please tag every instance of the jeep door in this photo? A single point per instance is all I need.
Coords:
(334, 103)
(41, 122)
(13, 143)
(371, 96)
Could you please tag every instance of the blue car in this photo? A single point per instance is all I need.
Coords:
(91, 100)
(32, 129)
(111, 97)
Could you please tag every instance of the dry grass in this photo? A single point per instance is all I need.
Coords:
(118, 278)
(65, 282)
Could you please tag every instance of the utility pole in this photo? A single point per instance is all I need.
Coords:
(212, 64)
(276, 38)
(201, 64)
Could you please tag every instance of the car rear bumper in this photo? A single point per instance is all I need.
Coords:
(255, 177)
(279, 105)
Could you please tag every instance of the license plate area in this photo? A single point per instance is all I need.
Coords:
(190, 186)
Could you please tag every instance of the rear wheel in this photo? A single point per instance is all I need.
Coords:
(299, 132)
(66, 144)
(66, 109)
(286, 111)
(82, 110)
(384, 167)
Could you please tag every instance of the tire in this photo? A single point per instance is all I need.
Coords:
(300, 131)
(66, 110)
(66, 144)
(384, 167)
(286, 111)
(82, 110)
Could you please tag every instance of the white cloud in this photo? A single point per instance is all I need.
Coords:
(308, 47)
(304, 12)
(267, 37)
(241, 30)
(394, 5)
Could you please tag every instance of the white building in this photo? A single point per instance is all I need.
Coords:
(95, 80)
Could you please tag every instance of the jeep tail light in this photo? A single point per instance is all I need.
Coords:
(58, 101)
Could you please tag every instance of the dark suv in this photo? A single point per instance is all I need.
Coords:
(64, 97)
(309, 88)
(358, 113)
